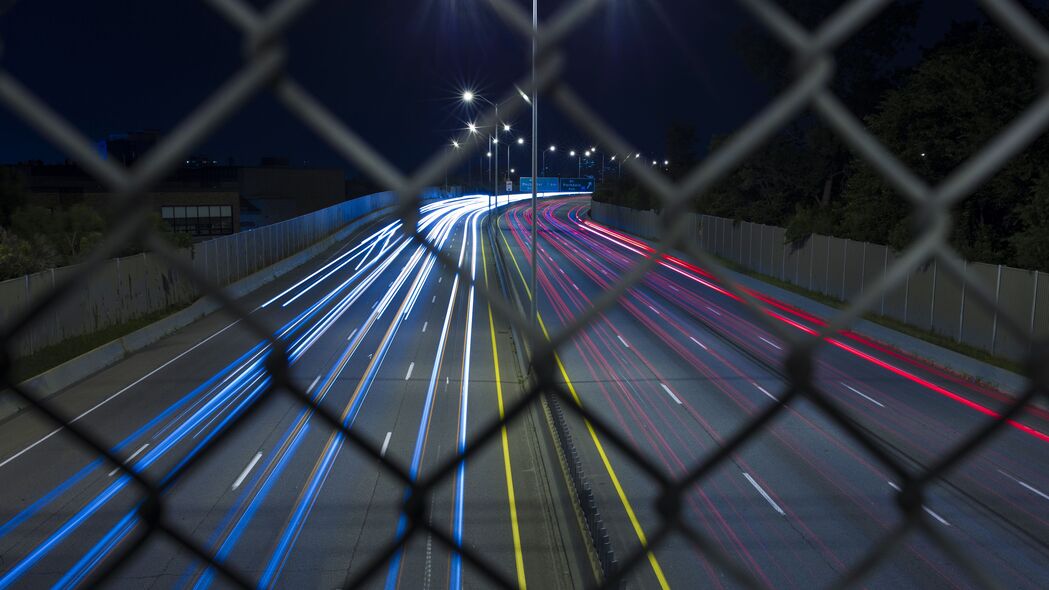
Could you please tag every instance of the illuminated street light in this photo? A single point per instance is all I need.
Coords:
(506, 127)
(572, 153)
(520, 141)
(553, 148)
(666, 162)
(472, 127)
(468, 96)
(455, 144)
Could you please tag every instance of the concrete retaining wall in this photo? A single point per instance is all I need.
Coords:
(124, 289)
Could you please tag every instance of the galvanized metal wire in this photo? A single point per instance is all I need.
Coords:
(265, 57)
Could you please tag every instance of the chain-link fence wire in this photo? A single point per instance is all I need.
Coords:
(265, 54)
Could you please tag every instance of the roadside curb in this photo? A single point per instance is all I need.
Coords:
(79, 368)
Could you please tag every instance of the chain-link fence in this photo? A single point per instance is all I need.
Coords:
(264, 69)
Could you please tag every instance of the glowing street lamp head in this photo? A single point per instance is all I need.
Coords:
(587, 153)
(637, 155)
(613, 157)
(593, 149)
(506, 127)
(468, 96)
(571, 153)
(489, 154)
(653, 162)
(666, 162)
(455, 144)
(472, 127)
(520, 141)
(495, 140)
(512, 170)
(553, 148)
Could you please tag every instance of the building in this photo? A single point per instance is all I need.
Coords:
(203, 198)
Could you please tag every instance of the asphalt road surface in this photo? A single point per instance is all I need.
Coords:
(379, 333)
(406, 353)
(677, 367)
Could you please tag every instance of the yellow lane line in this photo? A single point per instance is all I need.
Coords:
(638, 530)
(518, 553)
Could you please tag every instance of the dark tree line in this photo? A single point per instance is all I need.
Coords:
(933, 116)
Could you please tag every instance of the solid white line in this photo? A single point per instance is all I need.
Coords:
(314, 384)
(244, 474)
(698, 342)
(770, 343)
(115, 395)
(128, 460)
(623, 341)
(764, 494)
(352, 334)
(385, 443)
(713, 310)
(765, 391)
(424, 325)
(925, 508)
(670, 393)
(863, 395)
(409, 374)
(1028, 486)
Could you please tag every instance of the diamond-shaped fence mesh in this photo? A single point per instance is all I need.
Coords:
(264, 70)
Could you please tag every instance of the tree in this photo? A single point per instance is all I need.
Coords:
(1032, 242)
(12, 194)
(968, 87)
(865, 67)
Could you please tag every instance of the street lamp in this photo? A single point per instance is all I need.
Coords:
(551, 150)
(468, 97)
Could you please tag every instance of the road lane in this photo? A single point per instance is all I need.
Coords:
(306, 506)
(833, 493)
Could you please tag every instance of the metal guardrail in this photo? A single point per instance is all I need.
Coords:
(264, 69)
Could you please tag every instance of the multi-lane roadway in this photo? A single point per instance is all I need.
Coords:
(408, 354)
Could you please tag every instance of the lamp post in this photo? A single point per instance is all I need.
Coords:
(551, 149)
(468, 97)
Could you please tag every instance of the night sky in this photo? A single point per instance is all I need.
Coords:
(391, 69)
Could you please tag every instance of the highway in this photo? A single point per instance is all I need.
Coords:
(380, 334)
(410, 356)
(678, 365)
